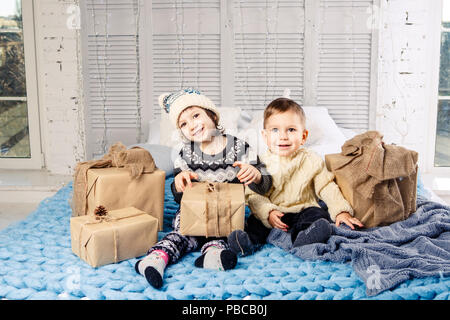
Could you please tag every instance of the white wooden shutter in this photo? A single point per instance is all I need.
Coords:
(185, 48)
(344, 41)
(111, 71)
(268, 51)
(240, 53)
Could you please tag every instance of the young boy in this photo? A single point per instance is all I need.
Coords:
(299, 177)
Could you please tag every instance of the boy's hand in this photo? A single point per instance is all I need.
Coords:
(248, 173)
(275, 220)
(345, 217)
(184, 178)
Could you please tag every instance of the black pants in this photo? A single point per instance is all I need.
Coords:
(297, 222)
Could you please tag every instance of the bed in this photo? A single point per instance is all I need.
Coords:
(36, 260)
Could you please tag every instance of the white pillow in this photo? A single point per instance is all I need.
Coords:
(153, 132)
(229, 118)
(324, 135)
(322, 128)
(252, 134)
(348, 133)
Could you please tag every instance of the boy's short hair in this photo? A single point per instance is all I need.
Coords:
(283, 105)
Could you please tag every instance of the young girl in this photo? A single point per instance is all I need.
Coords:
(207, 155)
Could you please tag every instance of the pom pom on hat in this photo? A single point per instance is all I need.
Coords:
(175, 103)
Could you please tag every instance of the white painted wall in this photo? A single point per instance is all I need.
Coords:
(60, 99)
(404, 95)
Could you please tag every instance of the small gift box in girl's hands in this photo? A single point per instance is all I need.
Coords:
(110, 237)
(212, 209)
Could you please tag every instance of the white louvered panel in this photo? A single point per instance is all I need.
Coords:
(111, 61)
(346, 3)
(269, 3)
(263, 69)
(344, 78)
(186, 44)
(197, 65)
(268, 51)
(111, 64)
(110, 5)
(185, 4)
(112, 77)
(345, 61)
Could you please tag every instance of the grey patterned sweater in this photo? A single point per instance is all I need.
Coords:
(219, 167)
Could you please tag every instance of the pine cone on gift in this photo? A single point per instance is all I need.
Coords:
(100, 211)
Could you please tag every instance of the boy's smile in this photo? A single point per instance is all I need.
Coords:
(284, 146)
(284, 133)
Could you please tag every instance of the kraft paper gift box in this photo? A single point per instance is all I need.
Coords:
(121, 178)
(119, 235)
(378, 180)
(212, 209)
(114, 188)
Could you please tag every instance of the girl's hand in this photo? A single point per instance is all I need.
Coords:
(248, 173)
(275, 220)
(184, 178)
(345, 217)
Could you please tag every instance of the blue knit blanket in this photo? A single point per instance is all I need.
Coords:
(386, 256)
(36, 262)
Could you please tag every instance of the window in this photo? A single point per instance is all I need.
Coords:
(442, 146)
(19, 121)
(14, 138)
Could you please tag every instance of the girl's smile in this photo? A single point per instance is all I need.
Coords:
(197, 126)
(198, 131)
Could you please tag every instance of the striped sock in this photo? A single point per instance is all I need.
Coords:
(216, 258)
(152, 267)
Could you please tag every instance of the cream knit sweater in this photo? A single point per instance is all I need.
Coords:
(297, 181)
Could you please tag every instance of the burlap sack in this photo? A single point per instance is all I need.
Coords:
(212, 209)
(378, 180)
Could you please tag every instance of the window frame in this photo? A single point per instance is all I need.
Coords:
(434, 98)
(36, 159)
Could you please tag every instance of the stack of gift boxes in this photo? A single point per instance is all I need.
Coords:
(118, 207)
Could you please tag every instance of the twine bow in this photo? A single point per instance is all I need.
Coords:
(137, 160)
(217, 210)
(211, 187)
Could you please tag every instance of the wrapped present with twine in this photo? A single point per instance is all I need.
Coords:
(110, 237)
(212, 209)
(122, 178)
(379, 180)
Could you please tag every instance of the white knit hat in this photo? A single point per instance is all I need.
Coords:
(175, 103)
